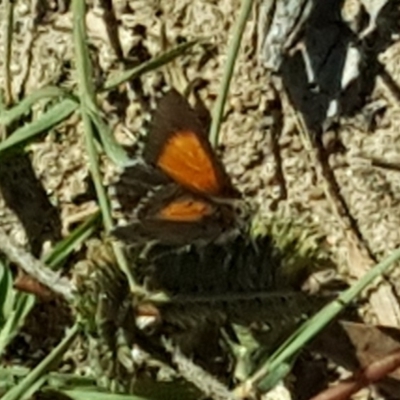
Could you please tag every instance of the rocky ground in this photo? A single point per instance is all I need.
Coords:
(362, 144)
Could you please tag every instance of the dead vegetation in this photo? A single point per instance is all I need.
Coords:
(315, 151)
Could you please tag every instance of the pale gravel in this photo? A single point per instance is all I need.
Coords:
(373, 195)
(61, 163)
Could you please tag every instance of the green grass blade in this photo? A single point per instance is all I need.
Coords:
(88, 109)
(93, 395)
(150, 65)
(111, 147)
(18, 391)
(11, 375)
(88, 105)
(218, 110)
(5, 290)
(14, 305)
(24, 106)
(313, 326)
(65, 247)
(49, 119)
(16, 320)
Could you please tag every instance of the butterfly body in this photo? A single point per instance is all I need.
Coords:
(178, 193)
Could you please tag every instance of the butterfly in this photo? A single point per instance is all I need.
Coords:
(178, 191)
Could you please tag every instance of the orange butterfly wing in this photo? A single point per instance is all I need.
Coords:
(178, 212)
(185, 210)
(175, 217)
(185, 160)
(178, 145)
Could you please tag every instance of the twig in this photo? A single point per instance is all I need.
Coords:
(36, 268)
(287, 351)
(383, 297)
(374, 372)
(198, 376)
